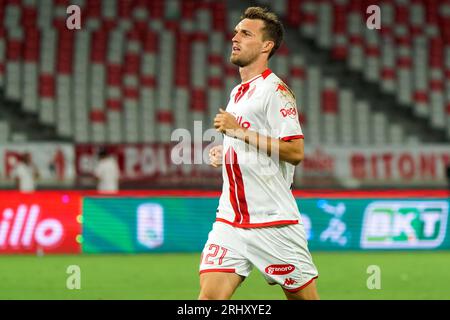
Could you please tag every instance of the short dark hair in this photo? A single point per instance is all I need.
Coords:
(273, 28)
(103, 152)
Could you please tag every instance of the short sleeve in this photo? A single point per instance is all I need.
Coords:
(282, 114)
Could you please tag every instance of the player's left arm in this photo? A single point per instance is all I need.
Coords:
(291, 151)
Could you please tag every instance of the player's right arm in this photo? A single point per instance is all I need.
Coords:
(215, 156)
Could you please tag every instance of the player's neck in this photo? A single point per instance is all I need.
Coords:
(249, 72)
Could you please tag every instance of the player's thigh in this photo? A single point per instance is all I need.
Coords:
(222, 264)
(307, 293)
(218, 285)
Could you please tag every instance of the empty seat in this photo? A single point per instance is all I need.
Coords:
(4, 131)
(324, 27)
(379, 132)
(330, 109)
(420, 69)
(298, 80)
(139, 69)
(404, 65)
(363, 123)
(309, 18)
(346, 117)
(313, 104)
(2, 55)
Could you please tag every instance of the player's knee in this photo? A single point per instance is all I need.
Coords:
(302, 295)
(212, 295)
(208, 291)
(308, 293)
(204, 296)
(310, 296)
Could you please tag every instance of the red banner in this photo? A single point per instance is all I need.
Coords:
(399, 166)
(40, 223)
(54, 161)
(156, 165)
(145, 163)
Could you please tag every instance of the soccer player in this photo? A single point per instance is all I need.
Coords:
(107, 172)
(258, 223)
(25, 174)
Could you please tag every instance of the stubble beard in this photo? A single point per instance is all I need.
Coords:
(242, 61)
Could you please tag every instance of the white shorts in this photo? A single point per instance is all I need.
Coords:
(280, 253)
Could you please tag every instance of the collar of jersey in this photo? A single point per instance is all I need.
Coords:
(265, 74)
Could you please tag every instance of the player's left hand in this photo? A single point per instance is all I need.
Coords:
(226, 123)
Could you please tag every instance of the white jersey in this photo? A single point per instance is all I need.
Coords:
(108, 173)
(257, 188)
(25, 174)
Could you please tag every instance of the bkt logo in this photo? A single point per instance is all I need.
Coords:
(404, 224)
(23, 228)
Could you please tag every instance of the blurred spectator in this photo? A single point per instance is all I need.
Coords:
(25, 174)
(107, 173)
(448, 175)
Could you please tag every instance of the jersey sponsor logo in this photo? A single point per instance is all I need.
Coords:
(279, 269)
(404, 224)
(241, 121)
(289, 111)
(289, 282)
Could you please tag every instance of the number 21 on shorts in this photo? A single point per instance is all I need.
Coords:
(213, 251)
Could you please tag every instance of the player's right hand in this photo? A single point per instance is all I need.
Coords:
(215, 156)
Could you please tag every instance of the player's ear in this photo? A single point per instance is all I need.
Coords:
(268, 46)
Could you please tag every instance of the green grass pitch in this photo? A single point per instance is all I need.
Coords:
(404, 275)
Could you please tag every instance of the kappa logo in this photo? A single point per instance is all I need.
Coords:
(280, 269)
(289, 282)
(284, 90)
(281, 87)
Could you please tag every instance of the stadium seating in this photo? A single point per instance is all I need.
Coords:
(409, 56)
(4, 131)
(138, 69)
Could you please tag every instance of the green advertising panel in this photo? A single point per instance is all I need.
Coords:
(146, 224)
(179, 224)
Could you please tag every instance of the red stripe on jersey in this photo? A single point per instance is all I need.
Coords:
(240, 190)
(232, 184)
(292, 138)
